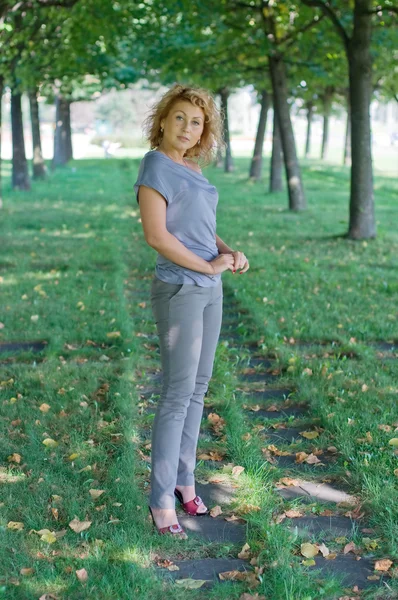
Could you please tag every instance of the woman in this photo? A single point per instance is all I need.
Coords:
(178, 214)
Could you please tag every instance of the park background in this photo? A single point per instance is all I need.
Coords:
(297, 456)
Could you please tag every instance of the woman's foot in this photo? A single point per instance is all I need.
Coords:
(165, 520)
(188, 494)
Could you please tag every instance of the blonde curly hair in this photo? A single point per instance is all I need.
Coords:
(211, 138)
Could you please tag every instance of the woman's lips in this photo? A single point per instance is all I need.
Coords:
(181, 137)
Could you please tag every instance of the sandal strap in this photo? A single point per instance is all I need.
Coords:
(176, 528)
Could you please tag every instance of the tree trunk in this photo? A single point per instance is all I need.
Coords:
(62, 136)
(362, 217)
(1, 98)
(224, 93)
(219, 159)
(310, 114)
(347, 140)
(39, 168)
(275, 179)
(257, 160)
(20, 175)
(69, 149)
(327, 109)
(293, 175)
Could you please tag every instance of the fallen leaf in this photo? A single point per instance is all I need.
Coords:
(383, 565)
(309, 550)
(82, 575)
(373, 577)
(301, 456)
(15, 525)
(309, 562)
(293, 514)
(44, 407)
(340, 540)
(73, 456)
(324, 550)
(287, 481)
(79, 526)
(50, 443)
(247, 596)
(215, 511)
(190, 584)
(393, 442)
(232, 518)
(309, 435)
(232, 576)
(27, 571)
(14, 458)
(48, 537)
(95, 493)
(350, 547)
(312, 460)
(236, 471)
(331, 556)
(113, 334)
(245, 552)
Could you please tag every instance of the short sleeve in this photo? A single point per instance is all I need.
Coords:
(152, 174)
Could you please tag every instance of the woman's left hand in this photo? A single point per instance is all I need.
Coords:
(241, 262)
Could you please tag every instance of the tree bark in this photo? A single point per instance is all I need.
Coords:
(20, 174)
(219, 159)
(362, 216)
(257, 160)
(297, 199)
(347, 140)
(327, 109)
(275, 179)
(228, 166)
(310, 114)
(69, 149)
(62, 135)
(39, 167)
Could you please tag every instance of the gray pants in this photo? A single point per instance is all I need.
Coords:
(188, 321)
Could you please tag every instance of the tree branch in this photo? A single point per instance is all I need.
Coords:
(379, 9)
(329, 12)
(292, 35)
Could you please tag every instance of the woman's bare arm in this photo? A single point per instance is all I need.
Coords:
(223, 248)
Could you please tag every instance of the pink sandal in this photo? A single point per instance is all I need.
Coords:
(175, 529)
(191, 507)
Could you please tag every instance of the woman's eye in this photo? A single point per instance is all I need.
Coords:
(196, 123)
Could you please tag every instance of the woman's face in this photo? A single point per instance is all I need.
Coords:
(183, 126)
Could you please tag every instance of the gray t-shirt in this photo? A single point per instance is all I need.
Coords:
(190, 214)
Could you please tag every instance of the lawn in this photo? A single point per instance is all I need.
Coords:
(75, 273)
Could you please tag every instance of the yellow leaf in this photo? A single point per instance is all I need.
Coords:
(393, 442)
(50, 443)
(44, 407)
(215, 511)
(309, 562)
(82, 575)
(190, 584)
(245, 552)
(48, 537)
(383, 565)
(14, 458)
(113, 334)
(396, 472)
(27, 571)
(15, 525)
(79, 526)
(95, 493)
(309, 550)
(73, 456)
(309, 435)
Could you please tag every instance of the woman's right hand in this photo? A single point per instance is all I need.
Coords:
(223, 262)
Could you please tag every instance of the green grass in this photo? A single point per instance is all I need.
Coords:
(72, 251)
